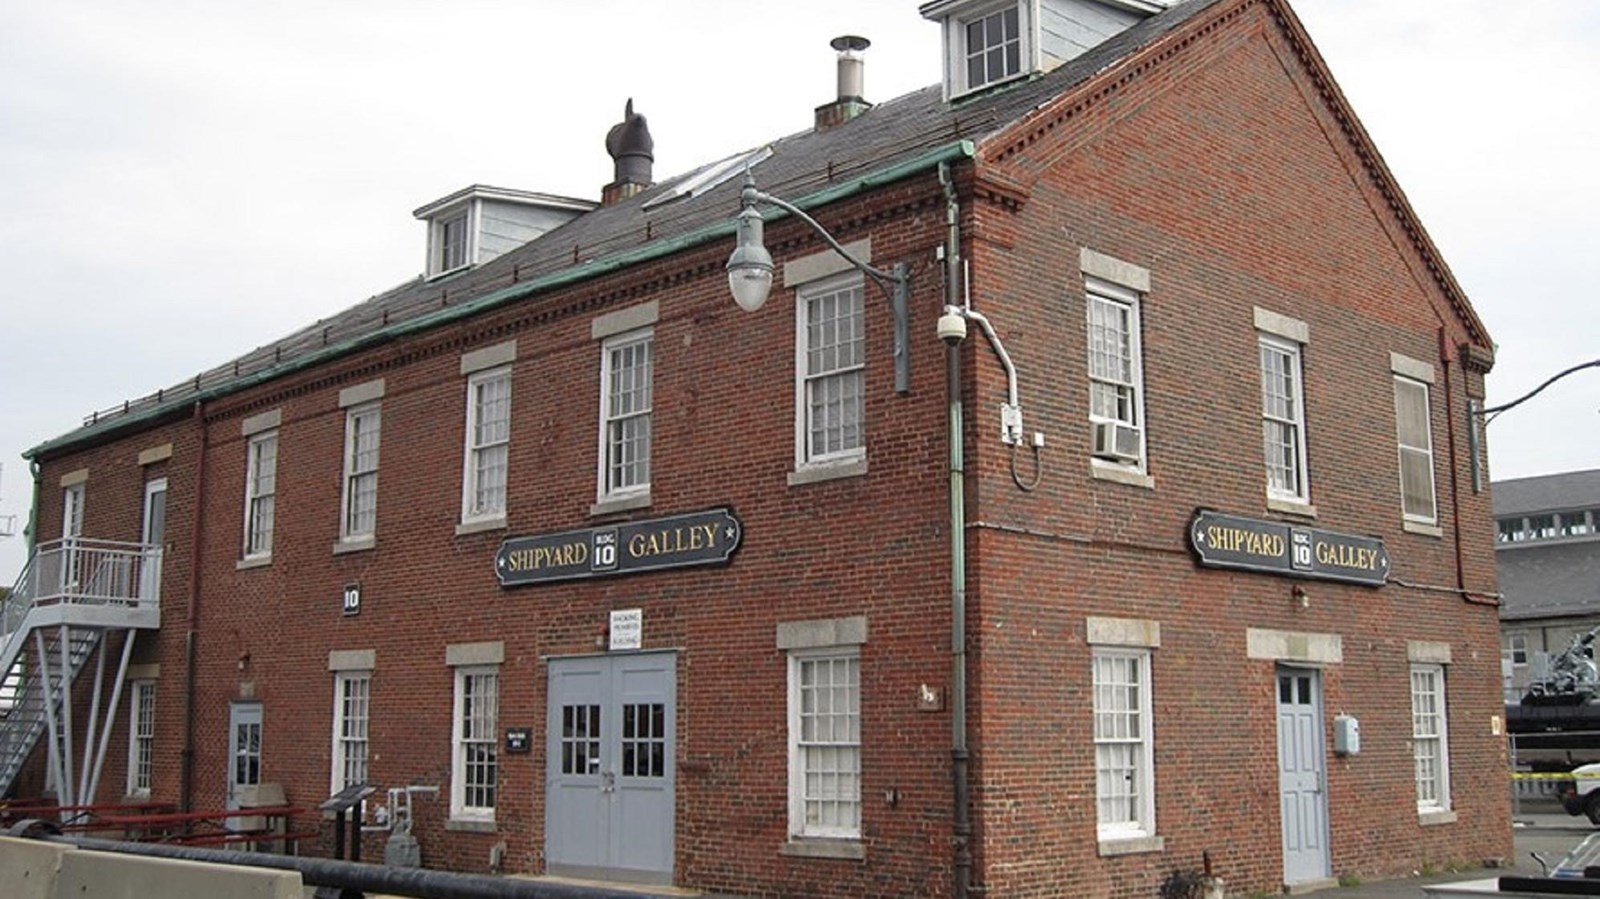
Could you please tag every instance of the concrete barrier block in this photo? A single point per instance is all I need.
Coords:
(29, 868)
(110, 875)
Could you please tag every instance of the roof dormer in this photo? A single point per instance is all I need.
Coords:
(990, 42)
(478, 223)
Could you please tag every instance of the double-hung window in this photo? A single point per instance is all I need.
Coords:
(1415, 439)
(360, 503)
(1124, 775)
(1115, 376)
(475, 767)
(451, 237)
(825, 743)
(1283, 420)
(261, 489)
(625, 379)
(352, 691)
(831, 376)
(989, 46)
(141, 735)
(488, 445)
(1429, 738)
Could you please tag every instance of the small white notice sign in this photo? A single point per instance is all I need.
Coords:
(627, 628)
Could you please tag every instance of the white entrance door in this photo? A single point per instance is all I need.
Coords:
(244, 751)
(609, 800)
(154, 535)
(1303, 801)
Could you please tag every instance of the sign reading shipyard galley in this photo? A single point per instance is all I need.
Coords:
(698, 538)
(1229, 541)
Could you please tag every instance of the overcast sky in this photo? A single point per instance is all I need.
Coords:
(181, 182)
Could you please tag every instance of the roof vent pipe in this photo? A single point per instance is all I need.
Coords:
(852, 68)
(633, 152)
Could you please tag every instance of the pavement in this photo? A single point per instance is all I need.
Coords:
(1540, 828)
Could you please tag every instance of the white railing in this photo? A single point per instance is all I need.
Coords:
(93, 572)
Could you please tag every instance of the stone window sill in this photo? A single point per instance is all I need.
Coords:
(478, 527)
(1292, 507)
(621, 504)
(1131, 846)
(817, 847)
(1431, 819)
(354, 545)
(470, 825)
(1120, 474)
(831, 471)
(254, 562)
(1427, 530)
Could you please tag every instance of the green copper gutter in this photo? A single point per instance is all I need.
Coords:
(962, 149)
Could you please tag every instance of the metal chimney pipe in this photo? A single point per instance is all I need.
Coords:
(851, 65)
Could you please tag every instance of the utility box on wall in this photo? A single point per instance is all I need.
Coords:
(1346, 735)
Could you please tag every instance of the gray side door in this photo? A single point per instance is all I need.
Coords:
(610, 735)
(1302, 800)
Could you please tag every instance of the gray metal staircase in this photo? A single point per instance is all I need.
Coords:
(69, 594)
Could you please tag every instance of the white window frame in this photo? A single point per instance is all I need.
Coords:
(808, 755)
(608, 486)
(141, 735)
(484, 735)
(1142, 822)
(1126, 302)
(957, 49)
(1403, 385)
(475, 450)
(72, 497)
(360, 470)
(806, 456)
(1517, 645)
(438, 227)
(1292, 352)
(1430, 737)
(260, 495)
(352, 728)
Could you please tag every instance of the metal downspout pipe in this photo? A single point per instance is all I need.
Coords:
(961, 822)
(191, 634)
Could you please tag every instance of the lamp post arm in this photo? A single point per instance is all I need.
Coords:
(899, 295)
(751, 195)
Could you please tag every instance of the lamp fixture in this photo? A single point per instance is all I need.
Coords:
(750, 272)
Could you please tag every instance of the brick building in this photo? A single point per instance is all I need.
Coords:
(657, 589)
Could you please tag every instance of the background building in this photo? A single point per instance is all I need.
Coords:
(657, 589)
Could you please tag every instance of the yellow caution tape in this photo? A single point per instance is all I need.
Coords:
(1546, 775)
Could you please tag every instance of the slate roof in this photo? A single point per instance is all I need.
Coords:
(888, 141)
(1567, 491)
(1549, 581)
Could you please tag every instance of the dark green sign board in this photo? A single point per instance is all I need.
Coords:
(681, 541)
(1230, 541)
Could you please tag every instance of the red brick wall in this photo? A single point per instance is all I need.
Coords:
(1221, 173)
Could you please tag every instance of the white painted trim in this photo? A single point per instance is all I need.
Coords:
(1109, 268)
(375, 409)
(602, 446)
(266, 421)
(155, 454)
(468, 475)
(623, 320)
(361, 393)
(478, 360)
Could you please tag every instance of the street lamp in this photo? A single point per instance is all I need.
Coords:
(750, 272)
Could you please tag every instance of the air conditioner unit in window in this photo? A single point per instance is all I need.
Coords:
(1116, 440)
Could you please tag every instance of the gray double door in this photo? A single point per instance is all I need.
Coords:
(610, 783)
(1303, 800)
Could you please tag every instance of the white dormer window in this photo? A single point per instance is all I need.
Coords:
(992, 45)
(451, 242)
